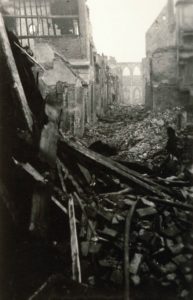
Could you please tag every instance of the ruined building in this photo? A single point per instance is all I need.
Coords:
(132, 82)
(60, 35)
(168, 68)
(62, 26)
(130, 75)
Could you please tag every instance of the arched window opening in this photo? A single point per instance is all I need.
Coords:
(137, 94)
(126, 72)
(137, 71)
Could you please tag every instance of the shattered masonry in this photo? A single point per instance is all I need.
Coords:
(96, 194)
(168, 65)
(62, 43)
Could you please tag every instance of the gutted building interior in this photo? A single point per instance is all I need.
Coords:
(96, 160)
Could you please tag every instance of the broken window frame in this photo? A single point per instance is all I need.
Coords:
(34, 19)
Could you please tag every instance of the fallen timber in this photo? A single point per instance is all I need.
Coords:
(39, 178)
(126, 235)
(16, 81)
(90, 157)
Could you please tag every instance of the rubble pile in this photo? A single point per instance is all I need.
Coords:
(103, 194)
(136, 133)
(114, 227)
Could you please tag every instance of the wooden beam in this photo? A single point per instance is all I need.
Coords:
(59, 205)
(29, 56)
(41, 17)
(31, 171)
(24, 37)
(127, 251)
(136, 178)
(16, 82)
(76, 271)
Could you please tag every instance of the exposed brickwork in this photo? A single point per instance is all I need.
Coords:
(164, 66)
(185, 43)
(70, 47)
(161, 34)
(160, 66)
(70, 60)
(168, 67)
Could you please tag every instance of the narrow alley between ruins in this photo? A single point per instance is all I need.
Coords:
(96, 157)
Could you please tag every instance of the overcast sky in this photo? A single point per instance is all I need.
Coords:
(119, 26)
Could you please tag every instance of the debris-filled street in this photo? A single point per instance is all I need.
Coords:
(96, 192)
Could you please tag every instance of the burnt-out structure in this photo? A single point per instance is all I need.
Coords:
(63, 24)
(107, 83)
(60, 36)
(132, 83)
(184, 23)
(168, 67)
(101, 215)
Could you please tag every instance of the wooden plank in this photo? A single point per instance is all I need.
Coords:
(41, 16)
(71, 177)
(29, 56)
(79, 200)
(31, 171)
(59, 205)
(127, 250)
(16, 82)
(61, 176)
(24, 37)
(38, 291)
(76, 271)
(84, 153)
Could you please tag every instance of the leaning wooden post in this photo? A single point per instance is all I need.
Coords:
(16, 82)
(76, 271)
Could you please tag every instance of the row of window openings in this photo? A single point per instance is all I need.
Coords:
(136, 95)
(36, 21)
(41, 26)
(43, 8)
(127, 72)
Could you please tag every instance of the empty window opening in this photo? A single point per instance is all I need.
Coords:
(137, 94)
(43, 18)
(137, 71)
(126, 72)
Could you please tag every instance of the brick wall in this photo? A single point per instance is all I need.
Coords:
(165, 96)
(161, 34)
(184, 12)
(69, 46)
(168, 67)
(164, 66)
(161, 63)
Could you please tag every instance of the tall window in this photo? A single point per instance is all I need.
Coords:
(126, 72)
(137, 71)
(44, 18)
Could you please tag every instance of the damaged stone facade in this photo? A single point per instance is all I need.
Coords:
(89, 222)
(184, 18)
(132, 83)
(60, 36)
(163, 68)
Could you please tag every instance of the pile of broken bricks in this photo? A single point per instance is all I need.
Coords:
(134, 231)
(135, 132)
(129, 227)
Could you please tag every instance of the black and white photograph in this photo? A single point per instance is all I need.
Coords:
(96, 150)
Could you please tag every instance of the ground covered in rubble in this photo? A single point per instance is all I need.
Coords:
(135, 132)
(131, 231)
(75, 224)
